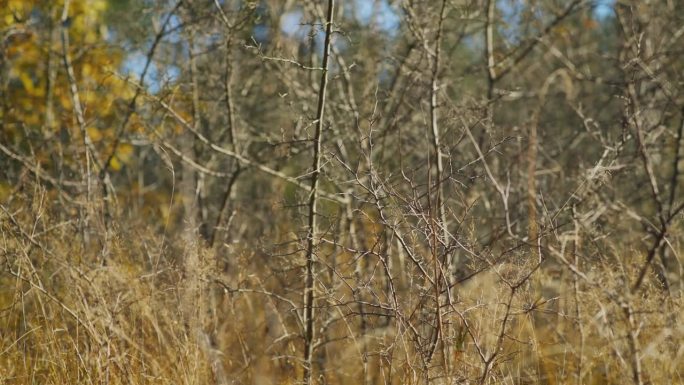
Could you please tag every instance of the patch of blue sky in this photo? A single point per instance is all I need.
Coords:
(291, 24)
(134, 66)
(135, 61)
(510, 14)
(378, 12)
(511, 11)
(261, 33)
(173, 30)
(603, 9)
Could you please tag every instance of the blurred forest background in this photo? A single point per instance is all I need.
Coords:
(341, 192)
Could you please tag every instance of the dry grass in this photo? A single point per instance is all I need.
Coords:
(155, 314)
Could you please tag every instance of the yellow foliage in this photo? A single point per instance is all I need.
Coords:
(115, 164)
(27, 82)
(124, 152)
(41, 91)
(94, 133)
(122, 156)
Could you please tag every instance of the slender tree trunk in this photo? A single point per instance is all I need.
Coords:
(313, 201)
(440, 230)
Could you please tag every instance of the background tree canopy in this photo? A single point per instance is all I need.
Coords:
(341, 191)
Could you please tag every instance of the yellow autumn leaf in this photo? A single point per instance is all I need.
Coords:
(94, 134)
(27, 82)
(124, 152)
(99, 5)
(122, 155)
(86, 70)
(114, 164)
(90, 37)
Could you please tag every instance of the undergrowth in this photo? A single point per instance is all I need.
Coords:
(145, 315)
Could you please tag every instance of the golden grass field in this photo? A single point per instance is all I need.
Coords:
(149, 317)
